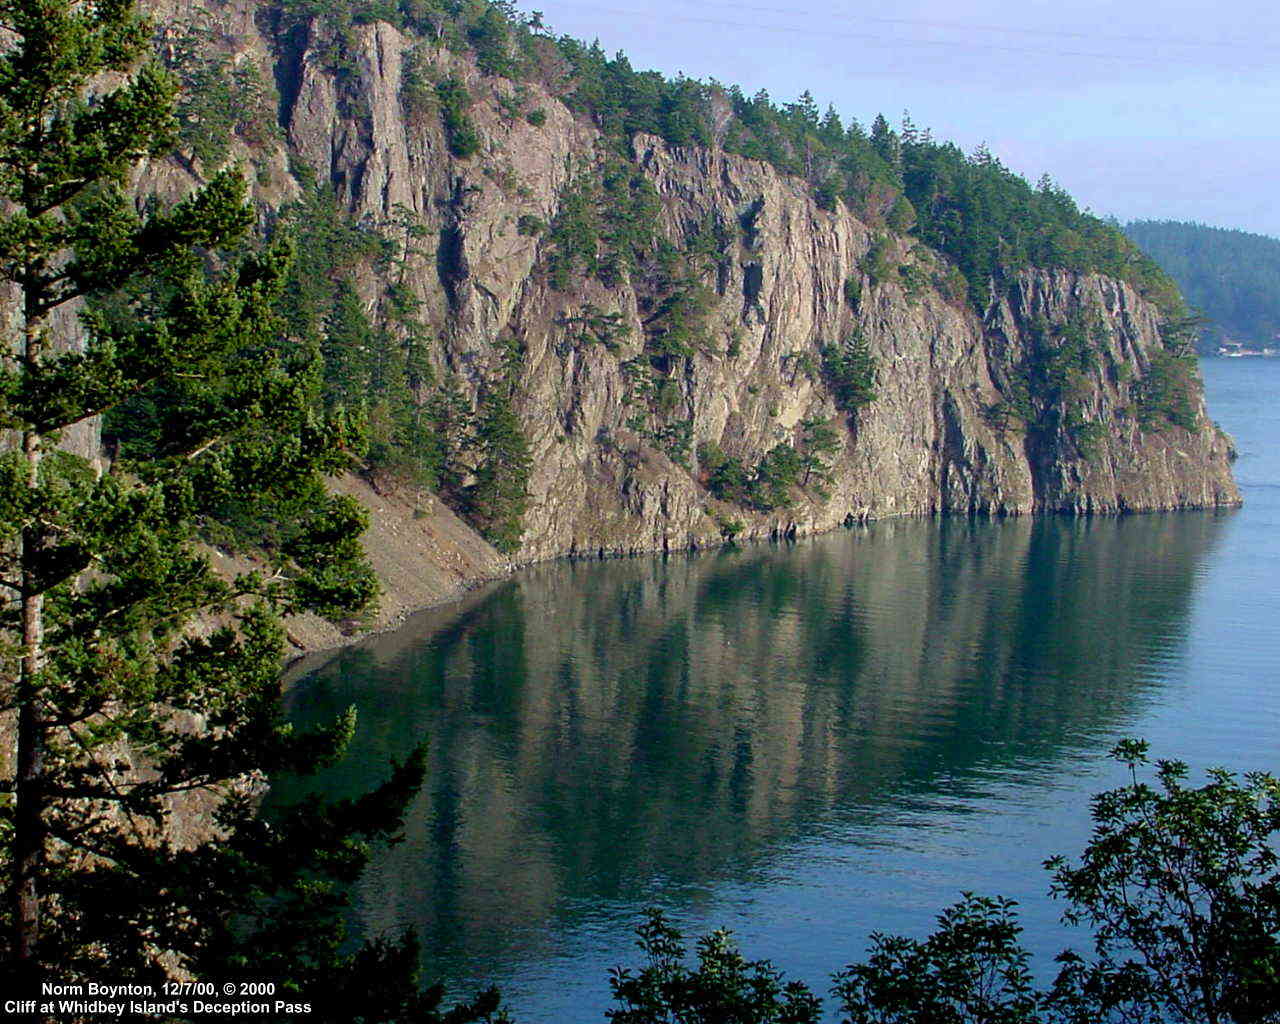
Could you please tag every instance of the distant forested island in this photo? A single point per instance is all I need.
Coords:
(1233, 276)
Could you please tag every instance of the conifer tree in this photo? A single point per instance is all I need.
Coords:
(350, 361)
(498, 499)
(119, 707)
(818, 441)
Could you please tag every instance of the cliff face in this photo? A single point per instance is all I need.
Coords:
(782, 280)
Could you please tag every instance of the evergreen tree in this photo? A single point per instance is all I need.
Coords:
(850, 369)
(885, 141)
(1233, 276)
(500, 494)
(452, 419)
(349, 350)
(99, 666)
(818, 440)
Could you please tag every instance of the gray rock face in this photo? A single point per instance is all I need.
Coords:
(602, 481)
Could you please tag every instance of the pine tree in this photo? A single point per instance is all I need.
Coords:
(349, 349)
(498, 499)
(818, 440)
(120, 706)
(885, 141)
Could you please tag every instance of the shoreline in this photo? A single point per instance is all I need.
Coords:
(466, 586)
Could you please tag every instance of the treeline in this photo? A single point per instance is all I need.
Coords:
(1232, 276)
(989, 220)
(380, 364)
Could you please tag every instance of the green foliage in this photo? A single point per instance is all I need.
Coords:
(1179, 887)
(722, 986)
(497, 500)
(604, 226)
(418, 97)
(765, 487)
(880, 264)
(818, 440)
(101, 654)
(972, 970)
(989, 221)
(490, 39)
(1089, 436)
(452, 421)
(729, 528)
(1048, 390)
(1234, 276)
(724, 475)
(536, 117)
(850, 370)
(220, 99)
(347, 349)
(676, 439)
(375, 361)
(826, 194)
(802, 362)
(330, 246)
(596, 327)
(776, 473)
(1167, 392)
(902, 216)
(530, 224)
(678, 327)
(459, 132)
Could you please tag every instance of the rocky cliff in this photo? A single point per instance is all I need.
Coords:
(970, 413)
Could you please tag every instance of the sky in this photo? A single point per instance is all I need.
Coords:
(1141, 109)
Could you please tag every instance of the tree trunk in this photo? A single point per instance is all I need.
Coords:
(29, 818)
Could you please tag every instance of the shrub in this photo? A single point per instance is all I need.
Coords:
(1166, 393)
(221, 99)
(496, 502)
(1179, 887)
(418, 97)
(459, 132)
(850, 371)
(723, 986)
(879, 264)
(530, 224)
(902, 217)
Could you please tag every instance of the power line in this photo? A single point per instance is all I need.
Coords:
(1122, 58)
(1006, 29)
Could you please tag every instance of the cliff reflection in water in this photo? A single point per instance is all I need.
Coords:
(596, 726)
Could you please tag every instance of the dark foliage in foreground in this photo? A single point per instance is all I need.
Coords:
(1179, 888)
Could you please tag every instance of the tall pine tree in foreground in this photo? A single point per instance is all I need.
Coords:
(116, 714)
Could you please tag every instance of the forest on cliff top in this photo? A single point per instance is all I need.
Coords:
(971, 207)
(986, 221)
(141, 676)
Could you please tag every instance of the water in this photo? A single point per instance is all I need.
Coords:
(807, 742)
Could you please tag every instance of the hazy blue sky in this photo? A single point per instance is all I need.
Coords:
(1141, 109)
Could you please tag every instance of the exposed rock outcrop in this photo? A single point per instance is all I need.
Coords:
(604, 480)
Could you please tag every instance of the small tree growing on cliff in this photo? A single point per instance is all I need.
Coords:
(497, 500)
(98, 664)
(850, 370)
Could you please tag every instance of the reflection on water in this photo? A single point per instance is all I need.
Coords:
(605, 733)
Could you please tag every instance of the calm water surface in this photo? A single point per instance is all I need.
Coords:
(807, 742)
